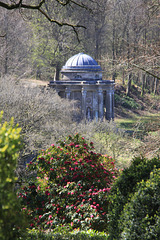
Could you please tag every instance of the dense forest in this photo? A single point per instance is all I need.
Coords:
(37, 37)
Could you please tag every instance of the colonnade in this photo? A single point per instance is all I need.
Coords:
(102, 102)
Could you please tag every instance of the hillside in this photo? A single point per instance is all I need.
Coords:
(140, 117)
(135, 105)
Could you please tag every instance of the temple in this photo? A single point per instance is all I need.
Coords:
(82, 81)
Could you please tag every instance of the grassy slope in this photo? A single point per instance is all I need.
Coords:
(140, 118)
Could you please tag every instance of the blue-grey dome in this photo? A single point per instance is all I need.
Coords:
(82, 61)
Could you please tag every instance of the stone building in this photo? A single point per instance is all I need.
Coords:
(82, 81)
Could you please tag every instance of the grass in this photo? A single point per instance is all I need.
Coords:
(62, 234)
(143, 124)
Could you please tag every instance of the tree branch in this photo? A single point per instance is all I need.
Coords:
(143, 69)
(62, 23)
(20, 5)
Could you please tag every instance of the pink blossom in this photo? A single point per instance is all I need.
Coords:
(47, 193)
(77, 146)
(71, 144)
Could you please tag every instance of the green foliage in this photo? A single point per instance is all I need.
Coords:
(124, 188)
(141, 215)
(126, 102)
(61, 234)
(11, 220)
(71, 186)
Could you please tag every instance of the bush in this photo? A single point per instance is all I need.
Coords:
(11, 219)
(124, 188)
(38, 111)
(126, 102)
(71, 186)
(141, 215)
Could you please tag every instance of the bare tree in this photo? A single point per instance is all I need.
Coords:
(14, 46)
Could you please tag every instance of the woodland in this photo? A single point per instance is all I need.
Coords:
(51, 162)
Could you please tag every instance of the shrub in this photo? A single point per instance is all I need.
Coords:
(39, 112)
(141, 215)
(11, 219)
(126, 102)
(71, 186)
(124, 188)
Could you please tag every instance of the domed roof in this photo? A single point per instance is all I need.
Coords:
(81, 61)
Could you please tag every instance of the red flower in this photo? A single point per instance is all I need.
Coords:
(47, 193)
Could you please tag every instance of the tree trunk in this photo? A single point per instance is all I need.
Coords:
(123, 80)
(155, 85)
(57, 72)
(143, 78)
(128, 90)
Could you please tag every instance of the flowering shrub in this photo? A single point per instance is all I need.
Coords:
(71, 186)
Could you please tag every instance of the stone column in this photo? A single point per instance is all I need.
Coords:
(68, 92)
(100, 103)
(84, 93)
(95, 105)
(109, 104)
